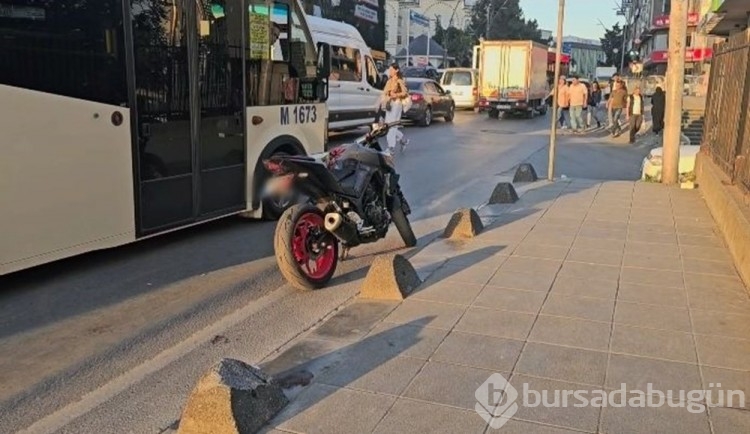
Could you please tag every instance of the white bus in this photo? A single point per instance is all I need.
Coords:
(123, 119)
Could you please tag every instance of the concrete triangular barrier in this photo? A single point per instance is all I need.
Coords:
(464, 223)
(231, 398)
(390, 277)
(504, 192)
(525, 173)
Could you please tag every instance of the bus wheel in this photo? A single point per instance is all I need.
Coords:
(274, 207)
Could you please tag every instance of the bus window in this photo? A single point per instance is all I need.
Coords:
(72, 49)
(220, 85)
(269, 75)
(302, 48)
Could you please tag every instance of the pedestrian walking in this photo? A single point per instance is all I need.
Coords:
(618, 101)
(392, 101)
(635, 112)
(616, 78)
(563, 99)
(658, 105)
(578, 99)
(595, 99)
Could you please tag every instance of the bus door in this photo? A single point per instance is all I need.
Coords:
(188, 90)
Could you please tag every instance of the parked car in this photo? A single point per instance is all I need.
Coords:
(429, 101)
(462, 84)
(651, 169)
(421, 72)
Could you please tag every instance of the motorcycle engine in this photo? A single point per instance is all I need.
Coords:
(375, 213)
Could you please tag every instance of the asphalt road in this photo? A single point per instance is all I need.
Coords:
(112, 341)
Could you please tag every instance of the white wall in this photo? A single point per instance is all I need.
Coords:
(429, 8)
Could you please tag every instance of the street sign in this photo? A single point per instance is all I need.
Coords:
(567, 48)
(418, 18)
(366, 13)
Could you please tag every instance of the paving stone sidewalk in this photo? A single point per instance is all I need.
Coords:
(580, 285)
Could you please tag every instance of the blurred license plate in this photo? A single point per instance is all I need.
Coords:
(503, 106)
(458, 92)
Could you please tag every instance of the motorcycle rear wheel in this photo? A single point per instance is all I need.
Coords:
(307, 255)
(402, 224)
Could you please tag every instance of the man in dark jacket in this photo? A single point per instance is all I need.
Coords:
(616, 104)
(613, 82)
(658, 104)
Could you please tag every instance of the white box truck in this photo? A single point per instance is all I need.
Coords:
(512, 77)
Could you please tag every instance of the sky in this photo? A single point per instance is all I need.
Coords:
(580, 16)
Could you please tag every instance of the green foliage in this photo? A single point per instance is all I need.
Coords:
(612, 41)
(456, 42)
(506, 21)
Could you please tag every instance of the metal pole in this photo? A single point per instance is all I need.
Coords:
(675, 77)
(555, 109)
(489, 20)
(408, 42)
(428, 42)
(622, 56)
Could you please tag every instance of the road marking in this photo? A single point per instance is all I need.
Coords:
(62, 417)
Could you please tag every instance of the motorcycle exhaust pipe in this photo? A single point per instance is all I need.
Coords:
(342, 228)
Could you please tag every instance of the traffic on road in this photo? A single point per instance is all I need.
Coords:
(169, 190)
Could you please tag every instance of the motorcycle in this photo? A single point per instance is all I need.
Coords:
(353, 195)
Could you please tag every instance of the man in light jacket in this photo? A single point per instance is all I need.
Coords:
(579, 97)
(563, 100)
(635, 112)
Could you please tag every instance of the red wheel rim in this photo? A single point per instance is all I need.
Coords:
(314, 260)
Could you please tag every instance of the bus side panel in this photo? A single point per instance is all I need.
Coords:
(306, 124)
(66, 177)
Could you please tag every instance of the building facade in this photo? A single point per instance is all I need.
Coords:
(585, 55)
(723, 18)
(449, 13)
(648, 35)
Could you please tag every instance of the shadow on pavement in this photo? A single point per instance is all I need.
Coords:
(70, 287)
(355, 364)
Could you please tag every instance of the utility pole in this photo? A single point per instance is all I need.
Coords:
(555, 109)
(623, 9)
(624, 36)
(678, 17)
(489, 20)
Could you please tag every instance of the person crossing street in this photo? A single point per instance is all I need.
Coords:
(392, 101)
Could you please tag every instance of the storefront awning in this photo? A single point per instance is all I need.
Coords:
(565, 58)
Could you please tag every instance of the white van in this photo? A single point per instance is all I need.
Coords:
(462, 82)
(354, 83)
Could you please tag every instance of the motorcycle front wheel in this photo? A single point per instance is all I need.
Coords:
(402, 224)
(306, 253)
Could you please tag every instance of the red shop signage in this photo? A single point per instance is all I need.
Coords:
(662, 21)
(691, 55)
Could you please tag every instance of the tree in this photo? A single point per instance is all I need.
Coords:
(506, 21)
(456, 42)
(612, 44)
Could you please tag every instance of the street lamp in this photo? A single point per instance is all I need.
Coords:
(615, 51)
